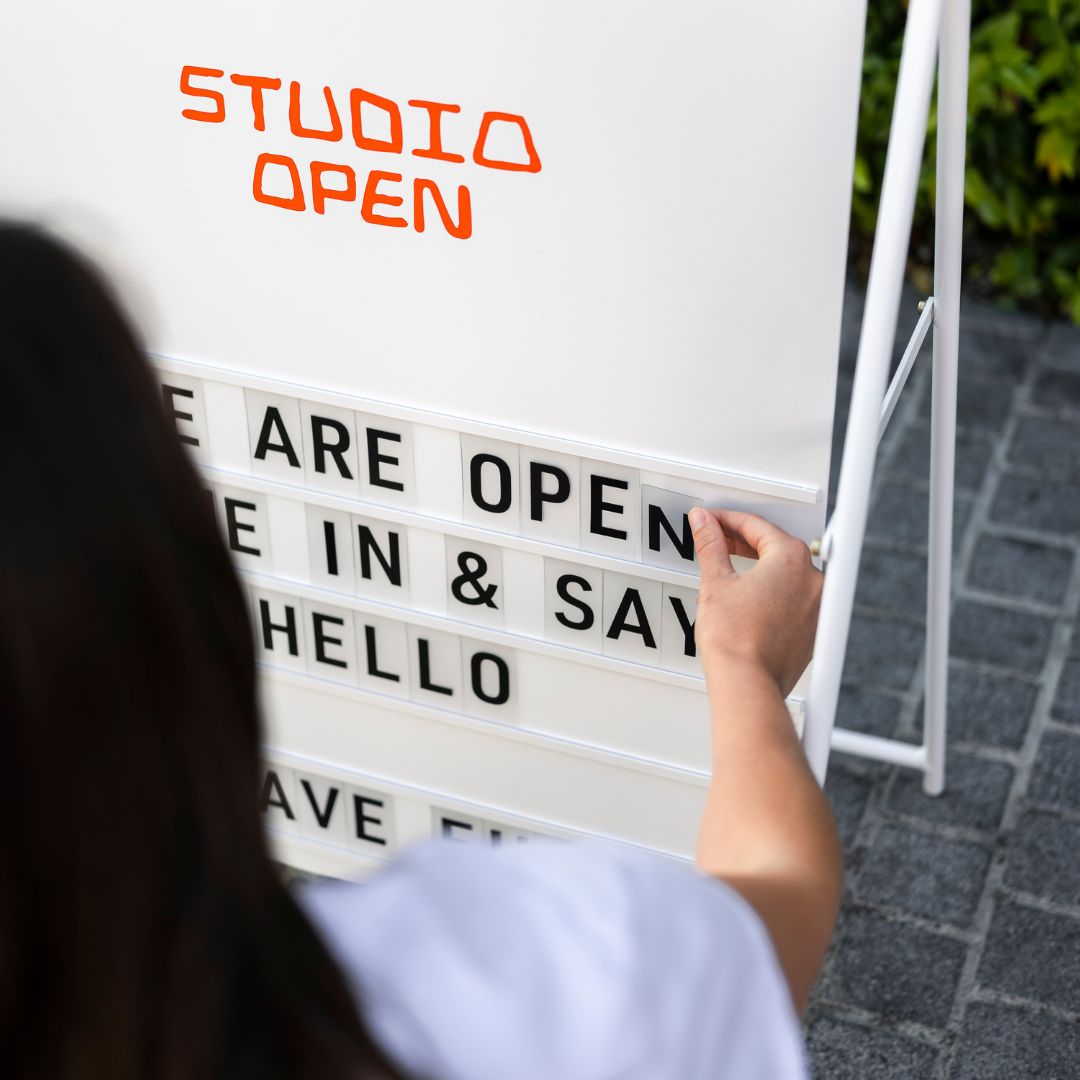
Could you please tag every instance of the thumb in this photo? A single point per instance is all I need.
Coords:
(711, 544)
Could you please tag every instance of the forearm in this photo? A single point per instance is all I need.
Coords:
(767, 828)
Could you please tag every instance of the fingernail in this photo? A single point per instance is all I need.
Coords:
(698, 518)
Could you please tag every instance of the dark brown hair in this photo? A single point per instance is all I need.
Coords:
(144, 931)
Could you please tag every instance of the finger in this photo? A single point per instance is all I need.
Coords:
(711, 545)
(753, 533)
(738, 546)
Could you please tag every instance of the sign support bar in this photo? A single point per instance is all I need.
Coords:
(952, 129)
(938, 27)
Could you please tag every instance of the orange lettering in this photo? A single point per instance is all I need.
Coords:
(532, 165)
(297, 128)
(215, 96)
(320, 192)
(296, 201)
(391, 145)
(463, 229)
(257, 84)
(435, 150)
(372, 198)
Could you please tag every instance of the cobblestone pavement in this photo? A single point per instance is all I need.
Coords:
(957, 954)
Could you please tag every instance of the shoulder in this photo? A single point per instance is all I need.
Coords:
(557, 959)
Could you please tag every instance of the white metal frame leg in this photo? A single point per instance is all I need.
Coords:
(870, 407)
(948, 238)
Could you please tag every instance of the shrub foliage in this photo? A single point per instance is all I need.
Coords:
(1022, 192)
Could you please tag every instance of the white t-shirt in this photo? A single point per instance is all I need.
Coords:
(560, 962)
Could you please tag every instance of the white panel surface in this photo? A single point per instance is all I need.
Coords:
(598, 265)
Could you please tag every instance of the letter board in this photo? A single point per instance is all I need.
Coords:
(461, 308)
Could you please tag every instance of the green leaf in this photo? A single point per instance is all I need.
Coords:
(1072, 305)
(979, 196)
(864, 182)
(1055, 151)
(1022, 189)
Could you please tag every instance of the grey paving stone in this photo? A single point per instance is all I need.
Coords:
(900, 514)
(1021, 568)
(1066, 705)
(868, 711)
(973, 452)
(1057, 389)
(848, 793)
(993, 354)
(1032, 954)
(924, 874)
(850, 322)
(883, 652)
(842, 1051)
(1044, 857)
(1000, 636)
(989, 708)
(1055, 775)
(980, 403)
(980, 316)
(1002, 1043)
(898, 971)
(1050, 446)
(843, 397)
(975, 794)
(877, 964)
(1033, 503)
(892, 582)
(1060, 347)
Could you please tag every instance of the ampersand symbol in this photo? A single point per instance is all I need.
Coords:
(473, 567)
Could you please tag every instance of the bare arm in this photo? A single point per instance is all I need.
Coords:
(767, 829)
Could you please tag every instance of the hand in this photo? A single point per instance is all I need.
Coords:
(765, 618)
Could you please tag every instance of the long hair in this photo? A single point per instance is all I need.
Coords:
(143, 929)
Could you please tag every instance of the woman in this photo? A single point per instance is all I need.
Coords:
(144, 931)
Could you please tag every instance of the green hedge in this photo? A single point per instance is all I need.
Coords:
(1022, 193)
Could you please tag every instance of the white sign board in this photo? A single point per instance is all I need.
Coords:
(462, 307)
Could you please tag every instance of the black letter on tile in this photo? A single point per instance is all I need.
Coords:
(273, 424)
(425, 670)
(502, 689)
(476, 476)
(168, 393)
(562, 587)
(598, 506)
(362, 819)
(268, 627)
(537, 495)
(372, 658)
(684, 544)
(335, 449)
(689, 645)
(330, 535)
(448, 825)
(375, 459)
(321, 640)
(321, 816)
(632, 599)
(391, 567)
(235, 527)
(272, 787)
